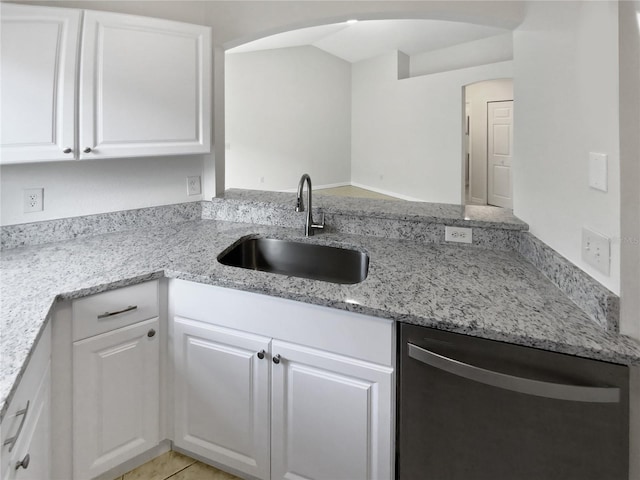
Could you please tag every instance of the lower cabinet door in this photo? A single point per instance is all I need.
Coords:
(332, 416)
(116, 394)
(221, 396)
(32, 458)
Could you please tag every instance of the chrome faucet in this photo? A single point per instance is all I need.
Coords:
(309, 226)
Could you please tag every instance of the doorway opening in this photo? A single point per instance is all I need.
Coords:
(488, 143)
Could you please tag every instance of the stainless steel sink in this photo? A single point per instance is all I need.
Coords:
(306, 260)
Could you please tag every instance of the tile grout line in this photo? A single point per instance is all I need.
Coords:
(181, 470)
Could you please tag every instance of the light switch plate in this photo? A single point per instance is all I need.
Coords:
(598, 177)
(596, 250)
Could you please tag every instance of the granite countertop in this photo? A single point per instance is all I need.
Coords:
(455, 215)
(485, 293)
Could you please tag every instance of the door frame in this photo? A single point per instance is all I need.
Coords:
(479, 94)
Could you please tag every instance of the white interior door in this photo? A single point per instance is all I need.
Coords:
(500, 153)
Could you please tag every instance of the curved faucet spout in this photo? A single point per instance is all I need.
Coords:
(309, 226)
(300, 201)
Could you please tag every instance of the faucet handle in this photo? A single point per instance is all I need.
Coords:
(319, 226)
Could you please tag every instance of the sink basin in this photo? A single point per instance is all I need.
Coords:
(306, 260)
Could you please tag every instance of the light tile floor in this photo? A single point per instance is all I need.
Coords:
(175, 466)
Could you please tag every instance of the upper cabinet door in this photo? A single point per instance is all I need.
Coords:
(38, 61)
(145, 87)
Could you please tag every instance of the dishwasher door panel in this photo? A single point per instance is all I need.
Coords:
(453, 428)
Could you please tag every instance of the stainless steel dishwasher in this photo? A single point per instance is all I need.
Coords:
(475, 409)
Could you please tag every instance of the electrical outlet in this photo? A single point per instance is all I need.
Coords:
(458, 234)
(33, 200)
(193, 186)
(596, 250)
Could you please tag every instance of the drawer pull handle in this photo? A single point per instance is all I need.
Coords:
(24, 463)
(261, 354)
(151, 333)
(111, 314)
(12, 441)
(528, 386)
(276, 359)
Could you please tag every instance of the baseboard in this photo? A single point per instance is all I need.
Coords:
(163, 447)
(389, 193)
(320, 187)
(219, 466)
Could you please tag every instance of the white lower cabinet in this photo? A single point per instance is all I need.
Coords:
(115, 397)
(279, 389)
(263, 387)
(26, 432)
(116, 378)
(33, 456)
(330, 415)
(221, 395)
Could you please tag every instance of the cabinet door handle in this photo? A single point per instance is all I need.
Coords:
(87, 150)
(12, 440)
(67, 150)
(261, 354)
(151, 333)
(111, 314)
(558, 391)
(276, 359)
(24, 463)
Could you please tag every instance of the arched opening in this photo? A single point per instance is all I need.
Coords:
(372, 106)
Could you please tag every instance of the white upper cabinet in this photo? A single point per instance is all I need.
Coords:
(142, 86)
(38, 60)
(145, 87)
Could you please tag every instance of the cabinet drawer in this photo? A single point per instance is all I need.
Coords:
(114, 309)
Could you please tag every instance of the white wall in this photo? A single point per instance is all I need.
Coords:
(629, 39)
(477, 95)
(566, 96)
(498, 48)
(233, 23)
(288, 112)
(407, 134)
(629, 16)
(89, 187)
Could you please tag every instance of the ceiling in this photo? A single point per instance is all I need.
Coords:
(365, 39)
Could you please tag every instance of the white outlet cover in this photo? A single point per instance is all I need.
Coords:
(33, 200)
(598, 177)
(458, 234)
(193, 186)
(596, 250)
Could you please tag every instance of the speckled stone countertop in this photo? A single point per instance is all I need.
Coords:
(485, 293)
(464, 216)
